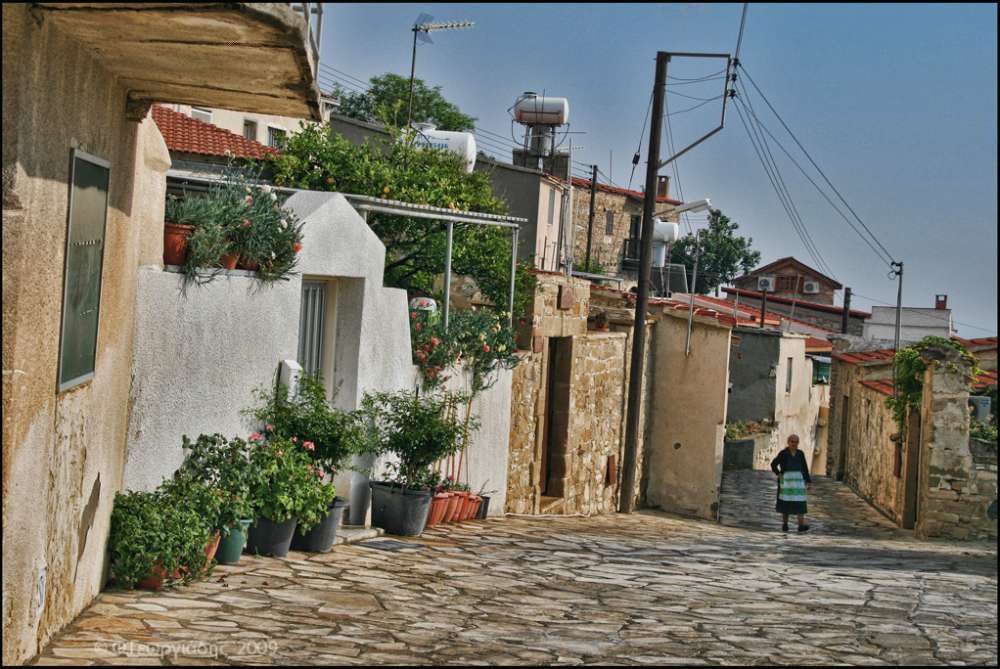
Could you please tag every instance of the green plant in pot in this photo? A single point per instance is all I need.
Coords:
(329, 436)
(223, 465)
(154, 539)
(288, 489)
(417, 430)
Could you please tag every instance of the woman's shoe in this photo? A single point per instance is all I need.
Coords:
(784, 527)
(803, 528)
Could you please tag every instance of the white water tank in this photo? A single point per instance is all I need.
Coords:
(462, 143)
(532, 109)
(664, 233)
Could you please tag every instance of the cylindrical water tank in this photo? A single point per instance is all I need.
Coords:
(532, 109)
(666, 231)
(659, 253)
(462, 143)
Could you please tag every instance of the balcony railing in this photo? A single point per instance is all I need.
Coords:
(308, 10)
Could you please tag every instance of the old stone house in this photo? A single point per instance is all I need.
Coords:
(827, 316)
(83, 193)
(614, 235)
(791, 279)
(930, 476)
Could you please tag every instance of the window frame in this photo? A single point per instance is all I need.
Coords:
(788, 375)
(278, 128)
(69, 384)
(256, 129)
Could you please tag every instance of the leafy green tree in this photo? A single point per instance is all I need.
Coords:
(724, 254)
(396, 168)
(389, 96)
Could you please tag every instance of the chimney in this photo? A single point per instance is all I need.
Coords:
(940, 301)
(662, 186)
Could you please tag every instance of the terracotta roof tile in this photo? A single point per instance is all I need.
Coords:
(585, 183)
(861, 357)
(189, 135)
(817, 306)
(984, 380)
(884, 387)
(815, 345)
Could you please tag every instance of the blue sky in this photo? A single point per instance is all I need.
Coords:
(897, 104)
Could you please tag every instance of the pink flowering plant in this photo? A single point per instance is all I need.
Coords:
(287, 484)
(329, 436)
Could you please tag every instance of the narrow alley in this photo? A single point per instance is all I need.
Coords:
(641, 589)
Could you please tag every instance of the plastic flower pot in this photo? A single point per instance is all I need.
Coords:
(320, 538)
(270, 538)
(451, 512)
(438, 507)
(175, 242)
(477, 503)
(400, 511)
(231, 545)
(470, 507)
(484, 508)
(229, 260)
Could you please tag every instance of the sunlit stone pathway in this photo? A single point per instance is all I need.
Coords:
(644, 589)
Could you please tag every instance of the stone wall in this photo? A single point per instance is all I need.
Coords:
(957, 488)
(872, 458)
(526, 418)
(605, 248)
(63, 451)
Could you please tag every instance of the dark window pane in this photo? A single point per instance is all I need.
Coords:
(84, 257)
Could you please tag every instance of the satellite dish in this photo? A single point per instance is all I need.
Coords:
(422, 36)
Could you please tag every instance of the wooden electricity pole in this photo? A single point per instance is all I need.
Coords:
(590, 220)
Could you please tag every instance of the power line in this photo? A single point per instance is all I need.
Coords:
(743, 23)
(823, 174)
(636, 158)
(673, 163)
(697, 106)
(824, 266)
(694, 80)
(774, 184)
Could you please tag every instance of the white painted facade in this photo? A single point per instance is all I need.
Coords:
(199, 357)
(915, 323)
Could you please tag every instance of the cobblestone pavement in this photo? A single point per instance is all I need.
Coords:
(641, 589)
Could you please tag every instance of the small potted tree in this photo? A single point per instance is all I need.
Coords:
(287, 490)
(329, 437)
(418, 430)
(154, 539)
(223, 465)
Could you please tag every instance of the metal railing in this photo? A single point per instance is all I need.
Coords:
(315, 33)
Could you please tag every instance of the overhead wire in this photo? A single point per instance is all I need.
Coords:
(927, 315)
(885, 254)
(636, 158)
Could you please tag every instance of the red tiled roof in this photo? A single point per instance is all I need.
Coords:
(979, 343)
(754, 313)
(585, 183)
(723, 319)
(816, 345)
(189, 135)
(801, 303)
(861, 357)
(984, 380)
(801, 266)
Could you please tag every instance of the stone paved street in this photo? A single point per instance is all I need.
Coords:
(644, 589)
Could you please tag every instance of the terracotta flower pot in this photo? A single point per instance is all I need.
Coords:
(157, 575)
(175, 242)
(229, 260)
(248, 265)
(470, 507)
(475, 507)
(438, 507)
(453, 503)
(211, 547)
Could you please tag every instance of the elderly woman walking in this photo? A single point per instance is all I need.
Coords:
(793, 478)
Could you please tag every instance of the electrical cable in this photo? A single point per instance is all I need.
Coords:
(697, 106)
(636, 158)
(941, 318)
(743, 23)
(818, 169)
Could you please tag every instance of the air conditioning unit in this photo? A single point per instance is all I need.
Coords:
(765, 284)
(810, 287)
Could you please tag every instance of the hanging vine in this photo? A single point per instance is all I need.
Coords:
(910, 368)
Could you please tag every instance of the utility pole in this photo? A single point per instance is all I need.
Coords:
(846, 319)
(413, 70)
(763, 308)
(897, 269)
(625, 501)
(590, 220)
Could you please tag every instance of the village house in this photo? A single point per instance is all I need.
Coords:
(915, 323)
(83, 211)
(614, 235)
(792, 279)
(827, 316)
(930, 468)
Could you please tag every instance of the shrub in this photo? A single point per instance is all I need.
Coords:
(308, 416)
(286, 482)
(223, 466)
(419, 430)
(152, 530)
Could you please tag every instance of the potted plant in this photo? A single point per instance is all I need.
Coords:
(154, 539)
(418, 430)
(181, 216)
(329, 437)
(186, 489)
(286, 490)
(484, 507)
(266, 236)
(224, 466)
